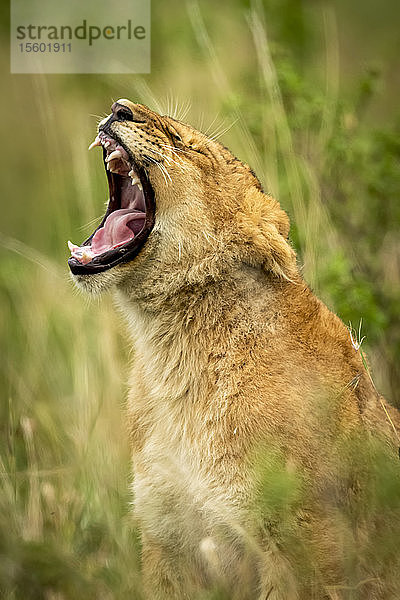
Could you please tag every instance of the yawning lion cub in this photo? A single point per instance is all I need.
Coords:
(241, 376)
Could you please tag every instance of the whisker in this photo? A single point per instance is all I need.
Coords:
(100, 118)
(176, 108)
(164, 169)
(220, 127)
(201, 121)
(216, 136)
(174, 148)
(161, 167)
(175, 152)
(185, 108)
(90, 223)
(163, 174)
(145, 91)
(207, 131)
(168, 158)
(169, 102)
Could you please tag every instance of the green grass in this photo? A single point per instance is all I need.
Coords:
(314, 139)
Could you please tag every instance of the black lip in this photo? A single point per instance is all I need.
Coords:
(126, 253)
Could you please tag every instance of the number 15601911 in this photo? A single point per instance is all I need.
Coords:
(43, 47)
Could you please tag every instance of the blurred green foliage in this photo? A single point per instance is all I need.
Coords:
(359, 512)
(306, 93)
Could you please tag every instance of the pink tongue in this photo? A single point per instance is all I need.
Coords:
(115, 230)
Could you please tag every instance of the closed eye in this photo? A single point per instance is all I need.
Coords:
(175, 134)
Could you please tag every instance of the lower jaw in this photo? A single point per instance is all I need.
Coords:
(114, 258)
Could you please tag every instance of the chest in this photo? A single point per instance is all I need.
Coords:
(183, 494)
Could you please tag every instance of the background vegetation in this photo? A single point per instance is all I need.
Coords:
(307, 94)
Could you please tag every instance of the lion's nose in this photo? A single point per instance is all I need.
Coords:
(121, 112)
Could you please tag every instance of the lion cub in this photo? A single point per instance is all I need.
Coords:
(247, 394)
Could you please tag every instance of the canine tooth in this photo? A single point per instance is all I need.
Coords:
(135, 178)
(140, 187)
(96, 142)
(72, 246)
(115, 154)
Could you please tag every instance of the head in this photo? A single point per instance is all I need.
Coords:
(182, 210)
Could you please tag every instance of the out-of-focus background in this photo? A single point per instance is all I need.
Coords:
(307, 93)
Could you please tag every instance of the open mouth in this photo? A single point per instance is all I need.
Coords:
(129, 217)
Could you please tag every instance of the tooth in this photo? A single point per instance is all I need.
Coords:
(113, 155)
(96, 142)
(87, 255)
(135, 178)
(140, 187)
(73, 247)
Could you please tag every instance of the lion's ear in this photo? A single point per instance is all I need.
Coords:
(263, 229)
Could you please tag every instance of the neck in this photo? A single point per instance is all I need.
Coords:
(180, 342)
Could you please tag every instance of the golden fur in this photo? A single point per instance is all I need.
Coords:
(232, 354)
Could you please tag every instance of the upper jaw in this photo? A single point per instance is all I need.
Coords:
(116, 157)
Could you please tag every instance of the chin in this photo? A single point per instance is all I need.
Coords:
(94, 285)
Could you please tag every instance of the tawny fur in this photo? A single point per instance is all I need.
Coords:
(232, 353)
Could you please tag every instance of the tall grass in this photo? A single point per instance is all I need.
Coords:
(65, 525)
